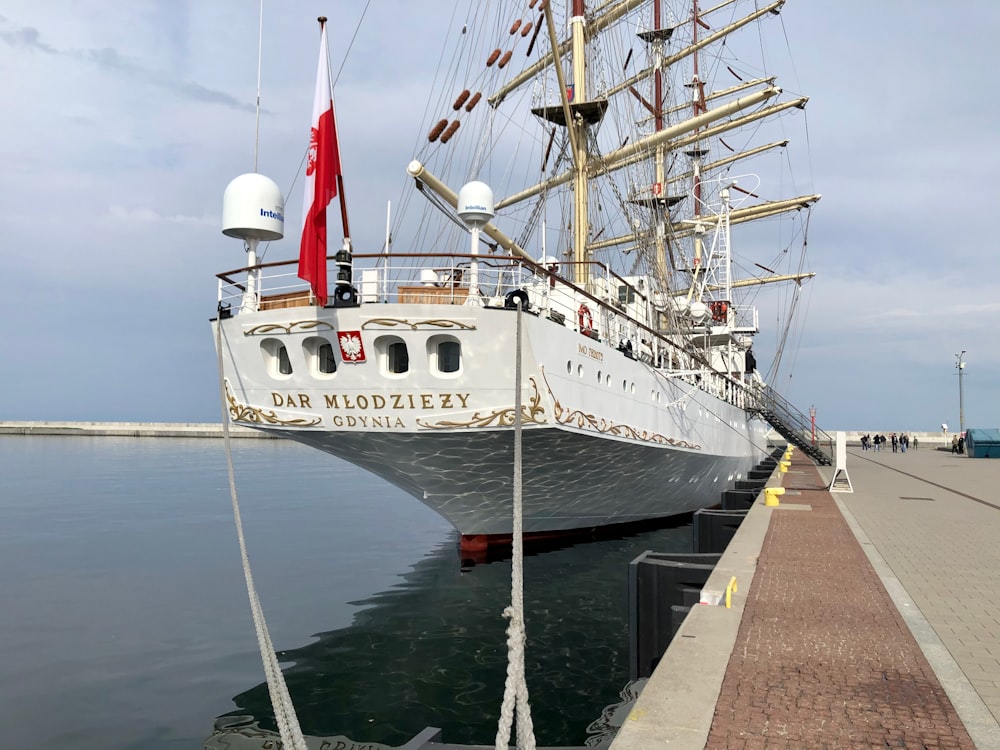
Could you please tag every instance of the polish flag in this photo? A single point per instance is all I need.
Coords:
(322, 170)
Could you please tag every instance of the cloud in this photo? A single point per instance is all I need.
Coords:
(109, 59)
(146, 216)
(26, 36)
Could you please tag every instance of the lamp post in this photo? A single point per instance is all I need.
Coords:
(812, 422)
(961, 396)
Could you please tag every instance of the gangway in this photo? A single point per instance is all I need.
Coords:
(794, 426)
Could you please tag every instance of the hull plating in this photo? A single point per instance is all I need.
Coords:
(572, 481)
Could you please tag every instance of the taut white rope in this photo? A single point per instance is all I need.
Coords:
(515, 693)
(284, 711)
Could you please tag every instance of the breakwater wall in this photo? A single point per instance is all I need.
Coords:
(130, 429)
(929, 439)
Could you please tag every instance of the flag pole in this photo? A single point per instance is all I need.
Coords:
(340, 177)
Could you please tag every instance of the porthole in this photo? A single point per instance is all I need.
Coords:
(569, 367)
(444, 354)
(276, 360)
(449, 356)
(579, 370)
(397, 358)
(600, 378)
(284, 363)
(320, 356)
(393, 356)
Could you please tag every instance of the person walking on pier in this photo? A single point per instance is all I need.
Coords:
(895, 442)
(916, 442)
(954, 443)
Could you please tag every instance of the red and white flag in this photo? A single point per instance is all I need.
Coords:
(322, 170)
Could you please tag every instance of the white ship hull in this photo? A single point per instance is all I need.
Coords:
(607, 439)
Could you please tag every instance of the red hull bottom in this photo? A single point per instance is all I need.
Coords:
(485, 548)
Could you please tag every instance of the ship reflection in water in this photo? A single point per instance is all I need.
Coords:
(431, 651)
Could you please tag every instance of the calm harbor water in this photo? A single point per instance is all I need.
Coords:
(126, 625)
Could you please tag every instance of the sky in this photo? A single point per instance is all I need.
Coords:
(124, 122)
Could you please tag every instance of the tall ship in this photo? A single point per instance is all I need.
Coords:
(574, 214)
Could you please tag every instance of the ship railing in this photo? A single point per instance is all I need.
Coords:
(445, 279)
(746, 318)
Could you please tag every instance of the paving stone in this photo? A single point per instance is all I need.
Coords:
(823, 658)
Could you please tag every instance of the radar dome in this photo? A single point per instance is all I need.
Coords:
(253, 208)
(475, 204)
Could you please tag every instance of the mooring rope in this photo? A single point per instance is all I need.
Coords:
(284, 711)
(515, 693)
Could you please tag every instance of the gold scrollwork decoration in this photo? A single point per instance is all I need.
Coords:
(302, 325)
(531, 413)
(416, 325)
(254, 415)
(604, 426)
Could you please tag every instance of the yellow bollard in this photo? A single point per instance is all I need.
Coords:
(771, 495)
(783, 466)
(730, 590)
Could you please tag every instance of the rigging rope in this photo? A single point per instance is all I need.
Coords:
(515, 694)
(284, 711)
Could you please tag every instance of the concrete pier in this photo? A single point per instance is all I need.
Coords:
(860, 620)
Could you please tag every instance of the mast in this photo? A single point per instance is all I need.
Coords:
(581, 217)
(658, 37)
(696, 152)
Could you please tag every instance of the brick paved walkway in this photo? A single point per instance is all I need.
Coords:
(823, 658)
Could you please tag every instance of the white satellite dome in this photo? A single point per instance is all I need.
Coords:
(475, 204)
(253, 208)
